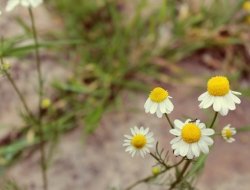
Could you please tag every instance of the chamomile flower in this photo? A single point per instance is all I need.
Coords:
(158, 102)
(26, 3)
(140, 141)
(219, 96)
(228, 132)
(192, 138)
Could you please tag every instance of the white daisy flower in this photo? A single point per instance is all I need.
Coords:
(219, 96)
(192, 138)
(159, 102)
(228, 132)
(140, 141)
(26, 3)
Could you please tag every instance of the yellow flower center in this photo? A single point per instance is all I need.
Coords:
(139, 141)
(158, 94)
(228, 133)
(218, 86)
(191, 133)
(246, 6)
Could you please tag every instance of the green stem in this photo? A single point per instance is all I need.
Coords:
(40, 92)
(12, 82)
(169, 121)
(180, 176)
(214, 119)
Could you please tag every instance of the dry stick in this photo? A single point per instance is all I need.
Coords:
(40, 81)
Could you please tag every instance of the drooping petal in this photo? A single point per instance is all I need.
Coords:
(217, 104)
(169, 105)
(162, 107)
(153, 108)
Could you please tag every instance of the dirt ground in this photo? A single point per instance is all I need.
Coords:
(99, 161)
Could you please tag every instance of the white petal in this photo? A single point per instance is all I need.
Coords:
(137, 131)
(128, 136)
(147, 105)
(202, 96)
(190, 154)
(208, 140)
(235, 98)
(201, 125)
(12, 4)
(133, 153)
(175, 140)
(128, 149)
(159, 113)
(162, 107)
(195, 149)
(178, 124)
(145, 131)
(237, 93)
(169, 105)
(132, 131)
(175, 132)
(209, 102)
(177, 152)
(203, 147)
(230, 102)
(126, 144)
(142, 153)
(217, 104)
(150, 134)
(224, 110)
(184, 147)
(176, 145)
(207, 132)
(35, 3)
(153, 107)
(141, 130)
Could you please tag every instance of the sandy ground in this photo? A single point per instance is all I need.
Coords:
(99, 161)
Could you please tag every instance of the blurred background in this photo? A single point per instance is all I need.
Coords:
(100, 59)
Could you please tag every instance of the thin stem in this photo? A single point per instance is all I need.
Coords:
(38, 61)
(180, 176)
(146, 179)
(169, 121)
(12, 82)
(214, 119)
(40, 93)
